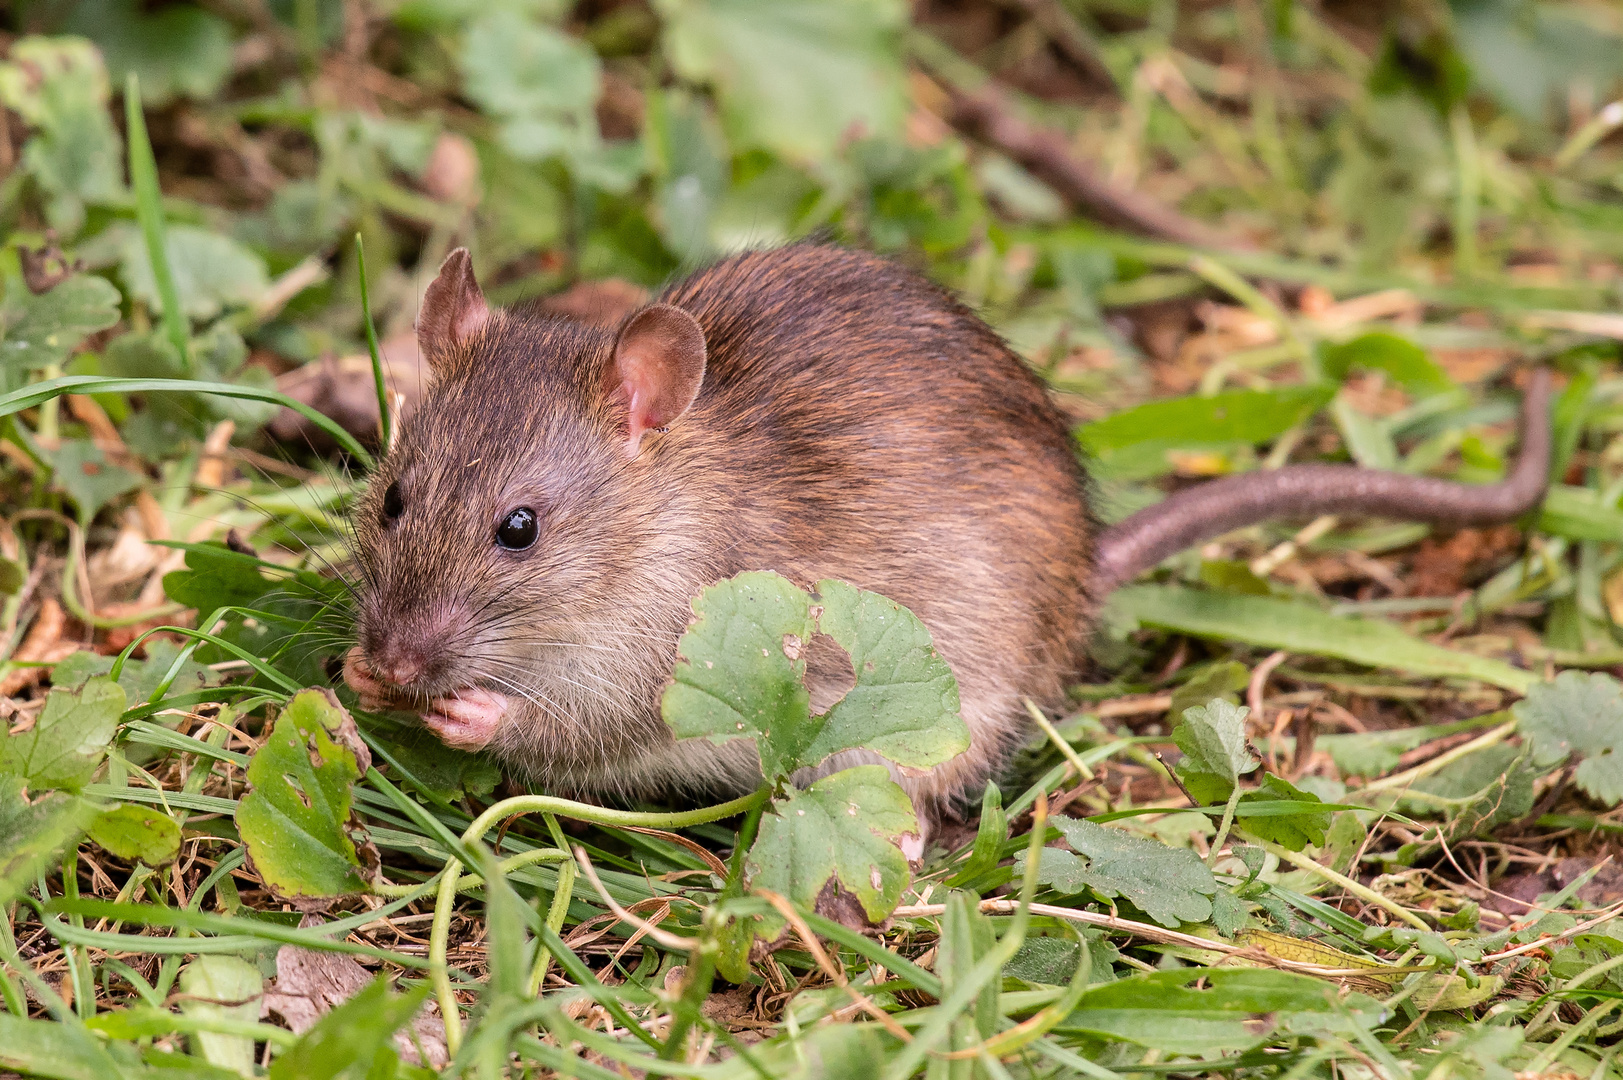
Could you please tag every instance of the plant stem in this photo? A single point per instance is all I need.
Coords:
(1436, 764)
(1223, 829)
(1363, 892)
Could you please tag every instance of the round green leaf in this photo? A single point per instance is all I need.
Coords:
(137, 834)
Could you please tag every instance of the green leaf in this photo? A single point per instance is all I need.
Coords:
(1300, 629)
(296, 817)
(1579, 514)
(1406, 362)
(735, 677)
(68, 741)
(175, 50)
(1293, 831)
(60, 89)
(59, 1051)
(1578, 713)
(1235, 1008)
(1494, 785)
(356, 1038)
(45, 329)
(741, 670)
(794, 76)
(31, 836)
(1170, 885)
(1133, 444)
(212, 272)
(216, 577)
(1219, 680)
(137, 834)
(843, 827)
(139, 678)
(222, 988)
(82, 472)
(1212, 738)
(904, 705)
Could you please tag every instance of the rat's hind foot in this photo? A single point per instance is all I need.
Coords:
(467, 721)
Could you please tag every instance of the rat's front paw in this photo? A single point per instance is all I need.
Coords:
(467, 721)
(375, 695)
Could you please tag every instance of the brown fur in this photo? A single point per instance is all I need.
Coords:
(854, 421)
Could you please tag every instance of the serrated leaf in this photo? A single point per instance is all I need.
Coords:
(794, 76)
(741, 669)
(139, 678)
(1228, 912)
(842, 827)
(539, 82)
(137, 834)
(44, 329)
(1578, 713)
(222, 988)
(212, 272)
(68, 740)
(1212, 738)
(904, 705)
(215, 577)
(1170, 885)
(295, 818)
(31, 835)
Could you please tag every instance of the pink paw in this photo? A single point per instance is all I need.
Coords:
(467, 721)
(375, 695)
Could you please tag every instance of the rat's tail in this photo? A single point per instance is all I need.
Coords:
(1132, 546)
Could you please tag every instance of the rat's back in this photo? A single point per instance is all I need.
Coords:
(870, 428)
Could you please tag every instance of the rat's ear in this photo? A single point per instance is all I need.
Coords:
(453, 311)
(656, 370)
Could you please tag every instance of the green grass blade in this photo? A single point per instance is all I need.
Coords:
(372, 347)
(149, 211)
(1298, 628)
(40, 392)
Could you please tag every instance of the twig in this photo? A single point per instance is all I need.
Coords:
(1058, 740)
(986, 114)
(664, 937)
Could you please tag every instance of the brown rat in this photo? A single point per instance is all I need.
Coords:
(529, 547)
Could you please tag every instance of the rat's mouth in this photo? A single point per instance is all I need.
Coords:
(465, 718)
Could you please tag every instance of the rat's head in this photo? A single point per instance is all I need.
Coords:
(524, 536)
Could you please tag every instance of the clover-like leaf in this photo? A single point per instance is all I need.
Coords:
(137, 834)
(1212, 738)
(1170, 885)
(741, 674)
(44, 329)
(296, 817)
(32, 833)
(68, 740)
(82, 472)
(843, 827)
(1578, 713)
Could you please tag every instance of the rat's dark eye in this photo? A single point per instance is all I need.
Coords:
(517, 530)
(394, 504)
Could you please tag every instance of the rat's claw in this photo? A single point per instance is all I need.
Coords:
(467, 721)
(375, 696)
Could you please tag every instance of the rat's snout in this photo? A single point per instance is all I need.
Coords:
(405, 656)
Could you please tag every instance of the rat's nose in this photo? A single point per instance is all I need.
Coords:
(400, 669)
